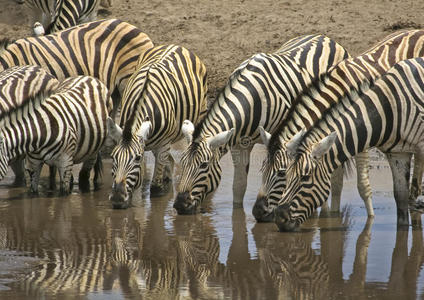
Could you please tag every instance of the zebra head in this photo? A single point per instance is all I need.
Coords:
(308, 183)
(128, 162)
(4, 157)
(273, 176)
(200, 169)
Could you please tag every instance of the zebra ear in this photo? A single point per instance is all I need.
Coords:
(144, 130)
(293, 144)
(188, 128)
(265, 135)
(323, 146)
(114, 131)
(220, 139)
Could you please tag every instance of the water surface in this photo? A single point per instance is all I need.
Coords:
(79, 247)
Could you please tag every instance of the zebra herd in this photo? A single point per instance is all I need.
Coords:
(311, 103)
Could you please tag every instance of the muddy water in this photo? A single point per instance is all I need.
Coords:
(78, 247)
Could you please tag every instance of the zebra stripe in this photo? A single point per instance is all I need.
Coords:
(389, 115)
(346, 78)
(168, 87)
(22, 82)
(58, 15)
(258, 93)
(67, 127)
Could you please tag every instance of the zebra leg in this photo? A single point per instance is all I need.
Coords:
(363, 180)
(84, 174)
(162, 174)
(336, 189)
(241, 160)
(33, 170)
(417, 177)
(18, 167)
(98, 172)
(400, 164)
(52, 177)
(65, 174)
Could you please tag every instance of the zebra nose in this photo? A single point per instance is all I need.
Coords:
(183, 204)
(261, 210)
(118, 196)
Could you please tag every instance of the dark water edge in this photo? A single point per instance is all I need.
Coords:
(79, 248)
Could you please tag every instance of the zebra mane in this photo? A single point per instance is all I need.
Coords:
(129, 124)
(33, 100)
(338, 108)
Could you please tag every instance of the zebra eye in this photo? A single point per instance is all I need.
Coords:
(137, 158)
(203, 165)
(281, 172)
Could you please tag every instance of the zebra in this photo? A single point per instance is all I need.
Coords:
(107, 50)
(57, 15)
(16, 85)
(60, 128)
(168, 87)
(344, 78)
(258, 92)
(388, 115)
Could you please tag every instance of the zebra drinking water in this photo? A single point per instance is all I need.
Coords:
(168, 87)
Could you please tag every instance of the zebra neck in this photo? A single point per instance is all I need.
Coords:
(348, 77)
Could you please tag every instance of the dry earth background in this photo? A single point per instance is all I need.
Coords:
(224, 33)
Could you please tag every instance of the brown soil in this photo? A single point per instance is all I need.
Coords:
(224, 33)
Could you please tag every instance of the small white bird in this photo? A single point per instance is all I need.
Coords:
(38, 29)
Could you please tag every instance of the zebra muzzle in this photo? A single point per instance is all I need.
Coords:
(184, 205)
(119, 197)
(261, 211)
(282, 218)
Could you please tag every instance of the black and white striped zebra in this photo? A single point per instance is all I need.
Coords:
(343, 79)
(63, 128)
(168, 87)
(258, 93)
(16, 85)
(107, 50)
(57, 15)
(389, 115)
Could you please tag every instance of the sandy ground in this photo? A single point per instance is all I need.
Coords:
(224, 33)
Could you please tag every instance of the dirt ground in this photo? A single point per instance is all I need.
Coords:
(224, 33)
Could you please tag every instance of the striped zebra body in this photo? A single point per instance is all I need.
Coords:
(258, 93)
(58, 15)
(346, 78)
(168, 87)
(16, 85)
(67, 127)
(389, 115)
(107, 50)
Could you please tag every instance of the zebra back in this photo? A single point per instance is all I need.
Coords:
(107, 50)
(23, 82)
